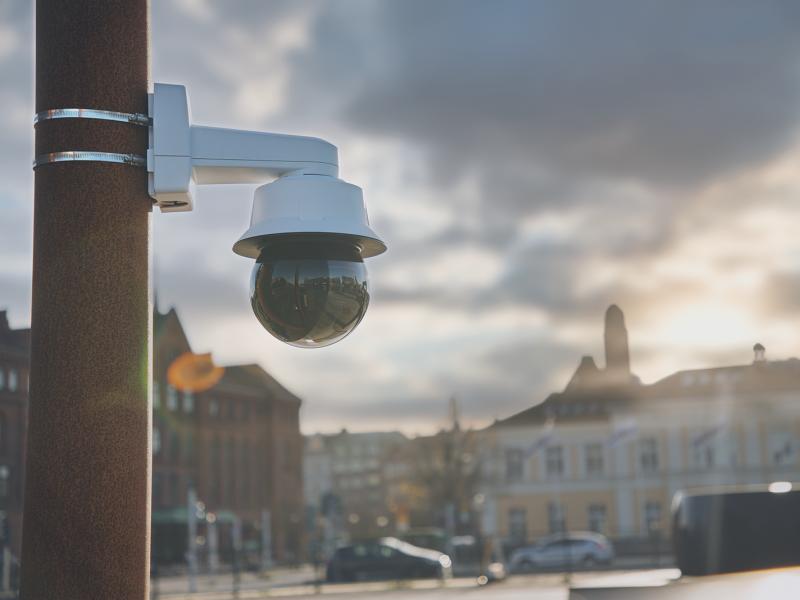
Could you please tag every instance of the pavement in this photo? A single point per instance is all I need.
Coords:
(293, 583)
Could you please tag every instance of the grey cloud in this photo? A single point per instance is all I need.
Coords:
(540, 102)
(202, 294)
(670, 93)
(15, 295)
(521, 376)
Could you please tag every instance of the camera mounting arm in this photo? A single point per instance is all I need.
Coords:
(181, 155)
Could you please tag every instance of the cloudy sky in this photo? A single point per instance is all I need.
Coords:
(527, 162)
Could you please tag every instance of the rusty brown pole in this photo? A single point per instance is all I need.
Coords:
(86, 527)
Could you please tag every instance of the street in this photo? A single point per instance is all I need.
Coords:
(289, 584)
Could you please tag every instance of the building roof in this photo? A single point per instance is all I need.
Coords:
(168, 329)
(255, 377)
(592, 403)
(593, 393)
(766, 376)
(14, 342)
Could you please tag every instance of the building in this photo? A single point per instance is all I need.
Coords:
(609, 453)
(14, 365)
(233, 435)
(346, 482)
(237, 443)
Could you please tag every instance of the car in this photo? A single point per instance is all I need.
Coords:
(386, 558)
(576, 549)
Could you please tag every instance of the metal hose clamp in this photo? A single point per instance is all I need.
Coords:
(92, 113)
(134, 160)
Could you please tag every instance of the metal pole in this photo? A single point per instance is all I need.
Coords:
(266, 540)
(86, 532)
(236, 536)
(191, 539)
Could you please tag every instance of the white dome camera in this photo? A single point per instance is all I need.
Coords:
(309, 232)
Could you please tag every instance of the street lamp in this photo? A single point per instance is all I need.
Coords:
(309, 230)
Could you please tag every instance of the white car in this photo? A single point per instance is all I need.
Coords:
(584, 550)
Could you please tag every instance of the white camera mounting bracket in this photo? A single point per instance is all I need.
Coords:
(181, 155)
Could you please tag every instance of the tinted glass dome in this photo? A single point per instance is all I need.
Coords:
(309, 301)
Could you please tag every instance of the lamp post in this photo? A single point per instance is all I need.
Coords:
(86, 527)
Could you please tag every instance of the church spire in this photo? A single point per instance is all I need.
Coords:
(618, 362)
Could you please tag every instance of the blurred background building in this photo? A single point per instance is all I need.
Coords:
(233, 435)
(608, 454)
(14, 363)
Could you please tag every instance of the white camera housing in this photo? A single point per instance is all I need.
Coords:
(306, 204)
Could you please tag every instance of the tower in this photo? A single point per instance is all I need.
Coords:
(618, 362)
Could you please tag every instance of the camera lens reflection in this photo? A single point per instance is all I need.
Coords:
(308, 301)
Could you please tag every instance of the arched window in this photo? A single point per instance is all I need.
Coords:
(188, 402)
(172, 398)
(5, 475)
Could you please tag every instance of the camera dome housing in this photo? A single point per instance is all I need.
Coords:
(309, 235)
(296, 206)
(309, 293)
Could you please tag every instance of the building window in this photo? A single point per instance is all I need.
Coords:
(518, 525)
(213, 408)
(157, 489)
(597, 518)
(174, 489)
(156, 395)
(190, 447)
(652, 517)
(3, 433)
(172, 398)
(5, 475)
(556, 520)
(594, 459)
(514, 466)
(554, 461)
(704, 455)
(156, 441)
(188, 401)
(648, 455)
(13, 380)
(781, 448)
(175, 446)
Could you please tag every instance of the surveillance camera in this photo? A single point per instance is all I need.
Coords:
(309, 235)
(309, 232)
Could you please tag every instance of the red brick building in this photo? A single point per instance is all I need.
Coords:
(235, 437)
(14, 364)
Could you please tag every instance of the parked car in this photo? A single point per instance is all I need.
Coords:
(576, 549)
(387, 558)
